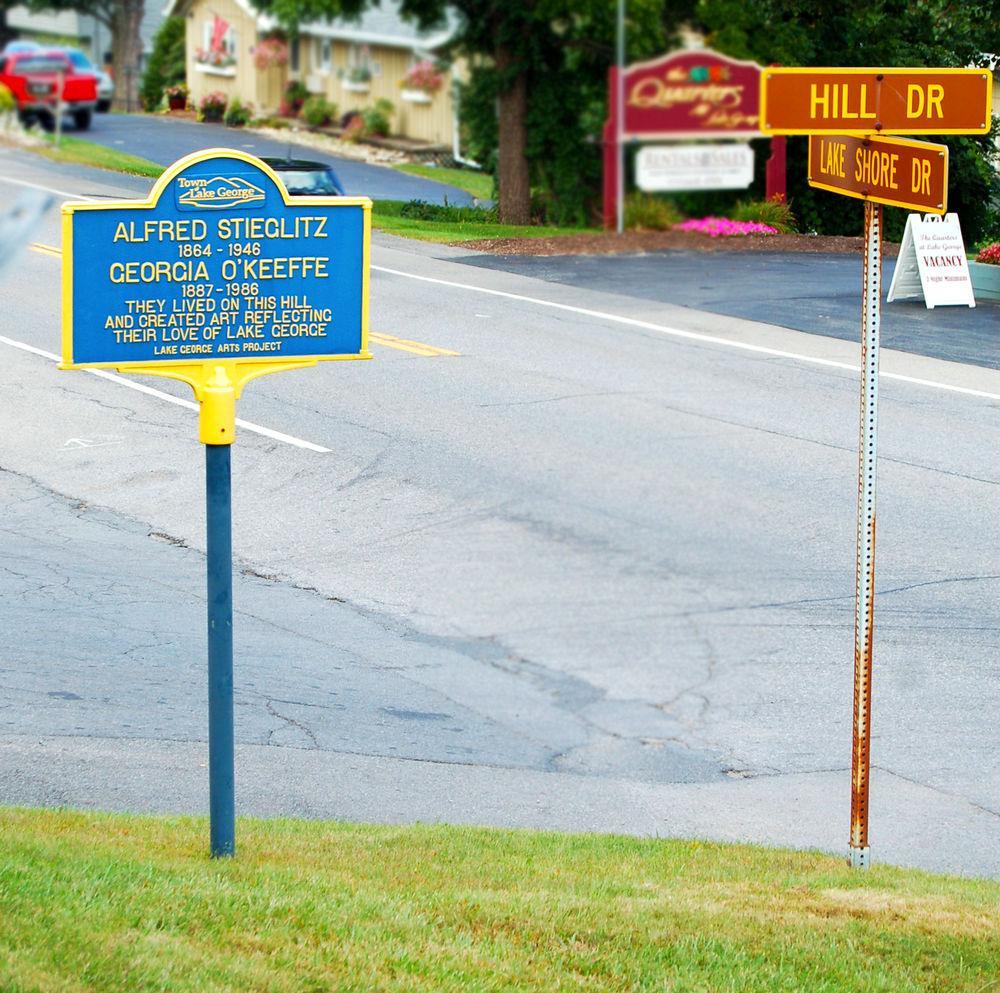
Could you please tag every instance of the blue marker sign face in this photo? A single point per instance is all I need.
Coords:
(220, 263)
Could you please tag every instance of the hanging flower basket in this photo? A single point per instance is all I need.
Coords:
(270, 53)
(421, 82)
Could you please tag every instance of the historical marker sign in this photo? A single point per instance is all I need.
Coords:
(219, 263)
(217, 278)
(867, 101)
(899, 172)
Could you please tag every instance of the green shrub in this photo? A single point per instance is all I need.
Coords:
(420, 210)
(649, 212)
(296, 95)
(166, 66)
(376, 119)
(318, 112)
(238, 114)
(7, 102)
(776, 213)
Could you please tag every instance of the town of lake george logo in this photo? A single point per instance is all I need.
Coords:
(218, 193)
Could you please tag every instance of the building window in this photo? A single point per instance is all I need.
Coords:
(218, 50)
(325, 59)
(293, 55)
(359, 57)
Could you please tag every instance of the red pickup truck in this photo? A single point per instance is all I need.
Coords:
(33, 78)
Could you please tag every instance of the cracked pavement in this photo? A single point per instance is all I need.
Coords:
(580, 576)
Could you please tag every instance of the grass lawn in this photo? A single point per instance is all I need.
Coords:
(116, 903)
(476, 183)
(385, 214)
(89, 153)
(386, 217)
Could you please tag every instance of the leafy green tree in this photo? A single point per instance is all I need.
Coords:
(167, 62)
(566, 73)
(5, 30)
(123, 18)
(932, 33)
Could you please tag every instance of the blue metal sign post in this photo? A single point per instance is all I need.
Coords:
(217, 278)
(221, 761)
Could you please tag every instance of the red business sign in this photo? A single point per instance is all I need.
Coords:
(689, 94)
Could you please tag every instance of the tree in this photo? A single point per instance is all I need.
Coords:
(932, 33)
(167, 62)
(123, 18)
(567, 82)
(5, 31)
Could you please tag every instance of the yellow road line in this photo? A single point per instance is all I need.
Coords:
(405, 345)
(386, 340)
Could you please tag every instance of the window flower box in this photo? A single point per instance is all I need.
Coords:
(357, 79)
(415, 96)
(212, 70)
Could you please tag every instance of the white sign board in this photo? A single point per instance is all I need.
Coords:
(932, 263)
(694, 167)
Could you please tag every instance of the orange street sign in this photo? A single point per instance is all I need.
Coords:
(896, 171)
(867, 101)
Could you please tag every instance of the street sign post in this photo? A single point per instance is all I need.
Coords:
(875, 101)
(219, 277)
(898, 172)
(847, 112)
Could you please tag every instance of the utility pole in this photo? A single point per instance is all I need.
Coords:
(620, 115)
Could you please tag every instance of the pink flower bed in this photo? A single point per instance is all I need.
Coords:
(990, 254)
(722, 227)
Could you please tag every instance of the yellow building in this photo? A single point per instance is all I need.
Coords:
(352, 63)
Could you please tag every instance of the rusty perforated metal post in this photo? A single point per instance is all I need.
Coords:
(865, 590)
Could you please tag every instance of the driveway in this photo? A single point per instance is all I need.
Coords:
(819, 294)
(164, 140)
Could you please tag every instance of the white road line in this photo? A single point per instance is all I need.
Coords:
(288, 439)
(691, 335)
(628, 321)
(45, 189)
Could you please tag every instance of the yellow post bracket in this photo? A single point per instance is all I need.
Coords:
(217, 386)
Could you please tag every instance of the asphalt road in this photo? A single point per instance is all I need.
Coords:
(809, 292)
(594, 571)
(164, 140)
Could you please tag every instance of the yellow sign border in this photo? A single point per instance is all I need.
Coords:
(217, 382)
(159, 187)
(885, 140)
(865, 71)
